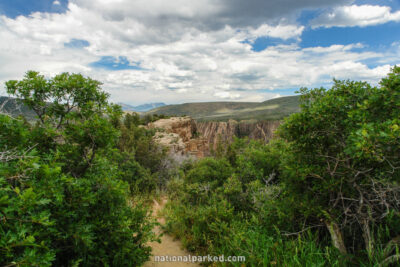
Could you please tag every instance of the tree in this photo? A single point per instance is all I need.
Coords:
(53, 99)
(343, 163)
(73, 113)
(62, 199)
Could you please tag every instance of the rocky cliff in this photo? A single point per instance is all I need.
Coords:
(185, 136)
(215, 132)
(181, 136)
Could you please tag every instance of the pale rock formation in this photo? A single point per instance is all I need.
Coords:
(215, 132)
(185, 136)
(180, 135)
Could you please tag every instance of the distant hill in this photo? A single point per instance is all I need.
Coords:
(273, 109)
(12, 107)
(140, 108)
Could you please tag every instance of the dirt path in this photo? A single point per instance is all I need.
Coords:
(168, 245)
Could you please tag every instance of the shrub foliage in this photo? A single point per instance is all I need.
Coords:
(64, 183)
(324, 192)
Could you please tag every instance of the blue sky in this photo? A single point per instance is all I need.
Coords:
(14, 8)
(147, 51)
(113, 63)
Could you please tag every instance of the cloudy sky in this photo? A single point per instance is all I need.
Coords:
(179, 51)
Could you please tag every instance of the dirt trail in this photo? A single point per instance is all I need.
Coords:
(168, 245)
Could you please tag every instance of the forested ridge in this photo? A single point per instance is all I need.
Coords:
(75, 183)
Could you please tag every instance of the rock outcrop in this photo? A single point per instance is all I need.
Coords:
(215, 132)
(181, 136)
(184, 136)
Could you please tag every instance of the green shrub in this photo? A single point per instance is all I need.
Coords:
(324, 193)
(63, 199)
(210, 170)
(342, 161)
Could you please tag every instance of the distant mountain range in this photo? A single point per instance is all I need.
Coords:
(140, 108)
(273, 109)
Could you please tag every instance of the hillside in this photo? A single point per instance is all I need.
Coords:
(140, 108)
(11, 107)
(273, 109)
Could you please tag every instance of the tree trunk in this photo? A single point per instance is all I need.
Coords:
(337, 237)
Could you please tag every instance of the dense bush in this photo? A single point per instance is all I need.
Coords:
(344, 162)
(246, 213)
(63, 199)
(141, 161)
(325, 192)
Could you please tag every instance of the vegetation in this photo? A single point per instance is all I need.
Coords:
(67, 180)
(274, 109)
(326, 192)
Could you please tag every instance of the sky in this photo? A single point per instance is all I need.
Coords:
(179, 51)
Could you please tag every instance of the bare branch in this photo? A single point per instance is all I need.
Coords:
(14, 154)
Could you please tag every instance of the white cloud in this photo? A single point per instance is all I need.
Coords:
(281, 31)
(187, 59)
(227, 95)
(201, 14)
(276, 96)
(56, 3)
(349, 16)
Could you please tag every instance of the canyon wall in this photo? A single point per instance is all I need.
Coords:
(181, 136)
(185, 136)
(215, 132)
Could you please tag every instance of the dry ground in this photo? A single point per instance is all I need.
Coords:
(168, 245)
